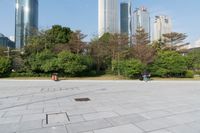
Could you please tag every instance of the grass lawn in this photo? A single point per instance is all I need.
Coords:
(102, 77)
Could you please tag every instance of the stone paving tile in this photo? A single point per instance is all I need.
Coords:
(36, 106)
(15, 119)
(87, 126)
(58, 129)
(184, 118)
(23, 112)
(182, 109)
(2, 113)
(155, 114)
(76, 118)
(161, 131)
(120, 129)
(123, 111)
(151, 125)
(183, 129)
(52, 109)
(9, 128)
(29, 125)
(80, 111)
(99, 115)
(18, 108)
(33, 117)
(126, 119)
(194, 125)
(103, 108)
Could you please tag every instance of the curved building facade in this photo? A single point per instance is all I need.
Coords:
(108, 17)
(26, 21)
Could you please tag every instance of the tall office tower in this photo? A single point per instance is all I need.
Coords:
(108, 17)
(26, 21)
(141, 19)
(126, 18)
(162, 25)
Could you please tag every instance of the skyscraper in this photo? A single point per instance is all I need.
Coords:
(141, 19)
(125, 18)
(162, 25)
(108, 17)
(26, 21)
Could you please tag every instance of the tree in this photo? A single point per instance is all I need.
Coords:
(193, 59)
(5, 66)
(118, 46)
(58, 35)
(2, 51)
(141, 37)
(174, 40)
(44, 61)
(141, 49)
(131, 68)
(36, 43)
(71, 64)
(76, 44)
(99, 53)
(169, 64)
(158, 45)
(109, 47)
(18, 63)
(49, 39)
(145, 53)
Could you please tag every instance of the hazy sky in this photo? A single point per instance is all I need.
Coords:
(83, 15)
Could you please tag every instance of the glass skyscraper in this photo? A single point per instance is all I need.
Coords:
(108, 17)
(125, 18)
(26, 21)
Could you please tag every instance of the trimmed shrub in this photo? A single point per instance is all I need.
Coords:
(189, 74)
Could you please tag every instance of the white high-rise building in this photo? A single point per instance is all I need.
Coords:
(141, 19)
(108, 17)
(162, 25)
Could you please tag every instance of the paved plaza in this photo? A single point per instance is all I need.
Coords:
(99, 106)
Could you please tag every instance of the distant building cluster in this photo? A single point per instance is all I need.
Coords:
(130, 20)
(112, 18)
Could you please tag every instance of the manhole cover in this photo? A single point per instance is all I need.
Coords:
(82, 99)
(57, 118)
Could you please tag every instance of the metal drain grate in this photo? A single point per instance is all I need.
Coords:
(82, 99)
